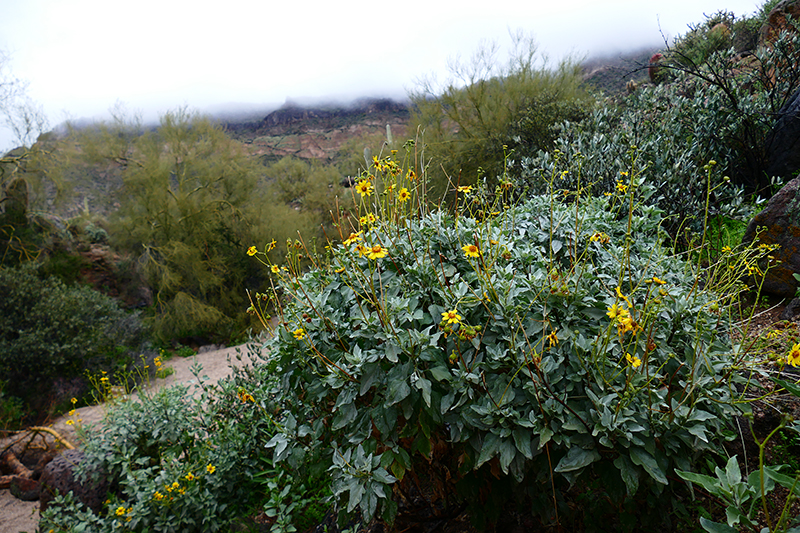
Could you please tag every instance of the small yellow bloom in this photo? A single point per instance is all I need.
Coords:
(175, 485)
(299, 333)
(70, 422)
(599, 237)
(71, 412)
(275, 269)
(726, 249)
(616, 312)
(621, 187)
(552, 339)
(452, 317)
(470, 250)
(634, 361)
(403, 195)
(465, 189)
(622, 297)
(74, 401)
(189, 477)
(794, 355)
(354, 237)
(658, 281)
(362, 250)
(252, 251)
(364, 188)
(158, 496)
(377, 252)
(411, 176)
(211, 469)
(120, 511)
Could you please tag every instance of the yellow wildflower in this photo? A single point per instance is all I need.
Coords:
(275, 269)
(600, 237)
(70, 422)
(211, 469)
(252, 251)
(403, 195)
(634, 361)
(362, 250)
(189, 477)
(120, 511)
(364, 188)
(616, 312)
(465, 189)
(794, 355)
(354, 237)
(377, 252)
(299, 333)
(726, 249)
(552, 339)
(271, 246)
(452, 317)
(470, 250)
(621, 187)
(411, 176)
(158, 496)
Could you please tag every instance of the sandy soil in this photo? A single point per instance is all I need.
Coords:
(18, 516)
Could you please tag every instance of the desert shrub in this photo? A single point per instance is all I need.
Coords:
(174, 464)
(506, 357)
(50, 330)
(468, 121)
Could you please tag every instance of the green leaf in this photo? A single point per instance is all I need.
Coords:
(576, 459)
(490, 445)
(640, 457)
(715, 527)
(628, 473)
(440, 373)
(792, 388)
(709, 483)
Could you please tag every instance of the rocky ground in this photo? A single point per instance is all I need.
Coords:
(20, 516)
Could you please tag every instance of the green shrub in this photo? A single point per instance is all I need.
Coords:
(550, 345)
(173, 465)
(49, 330)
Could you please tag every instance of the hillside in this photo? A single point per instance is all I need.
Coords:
(319, 132)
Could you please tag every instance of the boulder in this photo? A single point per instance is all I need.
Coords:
(777, 21)
(779, 223)
(59, 478)
(25, 489)
(783, 142)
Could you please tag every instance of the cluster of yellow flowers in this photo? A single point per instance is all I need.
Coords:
(622, 316)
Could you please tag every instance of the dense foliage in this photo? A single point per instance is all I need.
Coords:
(50, 330)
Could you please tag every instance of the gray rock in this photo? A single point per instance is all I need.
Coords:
(779, 223)
(59, 478)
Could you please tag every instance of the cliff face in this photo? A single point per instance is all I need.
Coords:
(319, 132)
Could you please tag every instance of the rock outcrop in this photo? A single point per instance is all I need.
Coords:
(779, 223)
(59, 478)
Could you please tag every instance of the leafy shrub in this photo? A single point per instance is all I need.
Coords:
(507, 356)
(468, 121)
(49, 330)
(173, 466)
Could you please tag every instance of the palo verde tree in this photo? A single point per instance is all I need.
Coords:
(186, 209)
(487, 107)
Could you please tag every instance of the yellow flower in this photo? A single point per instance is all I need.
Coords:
(452, 317)
(726, 249)
(158, 496)
(271, 246)
(465, 189)
(74, 401)
(634, 361)
(275, 269)
(377, 252)
(70, 422)
(354, 237)
(622, 297)
(599, 237)
(211, 469)
(403, 195)
(794, 355)
(252, 251)
(175, 485)
(616, 312)
(299, 333)
(189, 477)
(552, 339)
(362, 250)
(120, 511)
(621, 187)
(71, 412)
(470, 250)
(364, 188)
(411, 176)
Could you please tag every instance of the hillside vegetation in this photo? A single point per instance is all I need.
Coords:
(514, 304)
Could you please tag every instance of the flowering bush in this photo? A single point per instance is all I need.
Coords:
(528, 348)
(172, 466)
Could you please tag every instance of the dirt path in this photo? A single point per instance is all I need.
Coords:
(18, 516)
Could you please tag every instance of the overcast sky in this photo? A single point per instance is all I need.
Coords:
(80, 57)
